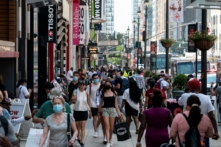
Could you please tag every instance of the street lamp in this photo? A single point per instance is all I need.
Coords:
(127, 49)
(138, 34)
(145, 32)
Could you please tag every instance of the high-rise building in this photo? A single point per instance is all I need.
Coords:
(135, 7)
(108, 27)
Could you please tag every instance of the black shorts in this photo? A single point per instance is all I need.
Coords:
(94, 111)
(80, 115)
(130, 111)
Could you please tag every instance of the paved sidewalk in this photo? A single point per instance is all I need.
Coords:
(90, 141)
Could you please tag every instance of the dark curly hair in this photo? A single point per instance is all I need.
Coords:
(134, 91)
(157, 98)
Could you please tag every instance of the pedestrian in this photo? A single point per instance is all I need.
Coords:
(104, 74)
(109, 110)
(70, 75)
(72, 88)
(46, 108)
(200, 121)
(56, 123)
(92, 90)
(81, 109)
(91, 73)
(133, 104)
(2, 88)
(118, 87)
(7, 134)
(23, 92)
(6, 105)
(98, 95)
(218, 93)
(149, 95)
(140, 82)
(206, 105)
(156, 121)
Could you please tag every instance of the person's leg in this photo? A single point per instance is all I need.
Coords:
(111, 122)
(78, 125)
(83, 124)
(136, 122)
(107, 128)
(95, 123)
(206, 141)
(128, 120)
(98, 123)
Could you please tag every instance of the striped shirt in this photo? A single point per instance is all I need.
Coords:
(47, 109)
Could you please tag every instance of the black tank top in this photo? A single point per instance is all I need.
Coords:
(109, 102)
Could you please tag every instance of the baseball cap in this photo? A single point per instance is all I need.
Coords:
(55, 92)
(193, 84)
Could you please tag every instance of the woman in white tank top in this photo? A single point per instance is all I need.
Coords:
(81, 108)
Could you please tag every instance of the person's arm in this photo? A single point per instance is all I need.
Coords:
(44, 136)
(209, 132)
(212, 90)
(122, 105)
(4, 142)
(38, 117)
(141, 105)
(117, 86)
(170, 118)
(89, 104)
(214, 123)
(117, 108)
(73, 126)
(6, 93)
(174, 126)
(141, 130)
(27, 93)
(17, 121)
(100, 106)
(146, 102)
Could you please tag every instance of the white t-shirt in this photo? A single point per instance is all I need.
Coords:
(164, 83)
(206, 105)
(126, 96)
(91, 74)
(81, 103)
(70, 75)
(22, 92)
(93, 94)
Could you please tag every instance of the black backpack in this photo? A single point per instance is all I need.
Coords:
(4, 123)
(192, 136)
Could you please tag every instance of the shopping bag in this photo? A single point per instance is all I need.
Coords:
(170, 144)
(122, 131)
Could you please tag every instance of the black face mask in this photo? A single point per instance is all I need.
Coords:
(107, 86)
(82, 78)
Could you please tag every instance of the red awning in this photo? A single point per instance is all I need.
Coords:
(9, 54)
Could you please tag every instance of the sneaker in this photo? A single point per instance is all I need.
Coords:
(95, 134)
(105, 140)
(111, 143)
(82, 145)
(108, 145)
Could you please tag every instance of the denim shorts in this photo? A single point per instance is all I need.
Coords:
(110, 112)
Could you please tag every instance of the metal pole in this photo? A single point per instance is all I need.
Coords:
(204, 55)
(145, 41)
(128, 47)
(134, 35)
(138, 27)
(167, 35)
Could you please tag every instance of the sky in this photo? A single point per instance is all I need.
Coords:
(123, 15)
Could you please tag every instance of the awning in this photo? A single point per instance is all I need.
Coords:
(205, 4)
(40, 3)
(7, 49)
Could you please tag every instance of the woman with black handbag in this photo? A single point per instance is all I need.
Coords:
(57, 124)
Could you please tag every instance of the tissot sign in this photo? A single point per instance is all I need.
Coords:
(52, 20)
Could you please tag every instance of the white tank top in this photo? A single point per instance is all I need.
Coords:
(81, 103)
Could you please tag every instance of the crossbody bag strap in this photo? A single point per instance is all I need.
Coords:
(68, 127)
(19, 91)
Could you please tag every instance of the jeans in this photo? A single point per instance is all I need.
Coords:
(206, 141)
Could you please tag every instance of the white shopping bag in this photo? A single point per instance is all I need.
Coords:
(34, 137)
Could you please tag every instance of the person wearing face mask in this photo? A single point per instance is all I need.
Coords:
(47, 107)
(72, 87)
(109, 108)
(104, 74)
(92, 90)
(23, 92)
(56, 123)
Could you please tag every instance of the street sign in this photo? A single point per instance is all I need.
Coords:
(93, 50)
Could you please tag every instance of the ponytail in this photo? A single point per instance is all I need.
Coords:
(195, 115)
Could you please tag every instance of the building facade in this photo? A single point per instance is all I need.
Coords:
(108, 26)
(135, 7)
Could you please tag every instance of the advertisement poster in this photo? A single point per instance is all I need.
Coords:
(82, 23)
(191, 45)
(76, 22)
(153, 47)
(176, 10)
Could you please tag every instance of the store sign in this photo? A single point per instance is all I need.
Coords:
(191, 45)
(93, 50)
(153, 47)
(52, 23)
(97, 9)
(82, 23)
(76, 22)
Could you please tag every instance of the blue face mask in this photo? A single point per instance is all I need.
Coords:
(57, 108)
(96, 80)
(75, 78)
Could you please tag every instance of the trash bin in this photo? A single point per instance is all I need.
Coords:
(177, 94)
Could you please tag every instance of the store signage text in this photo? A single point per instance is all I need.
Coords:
(50, 23)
